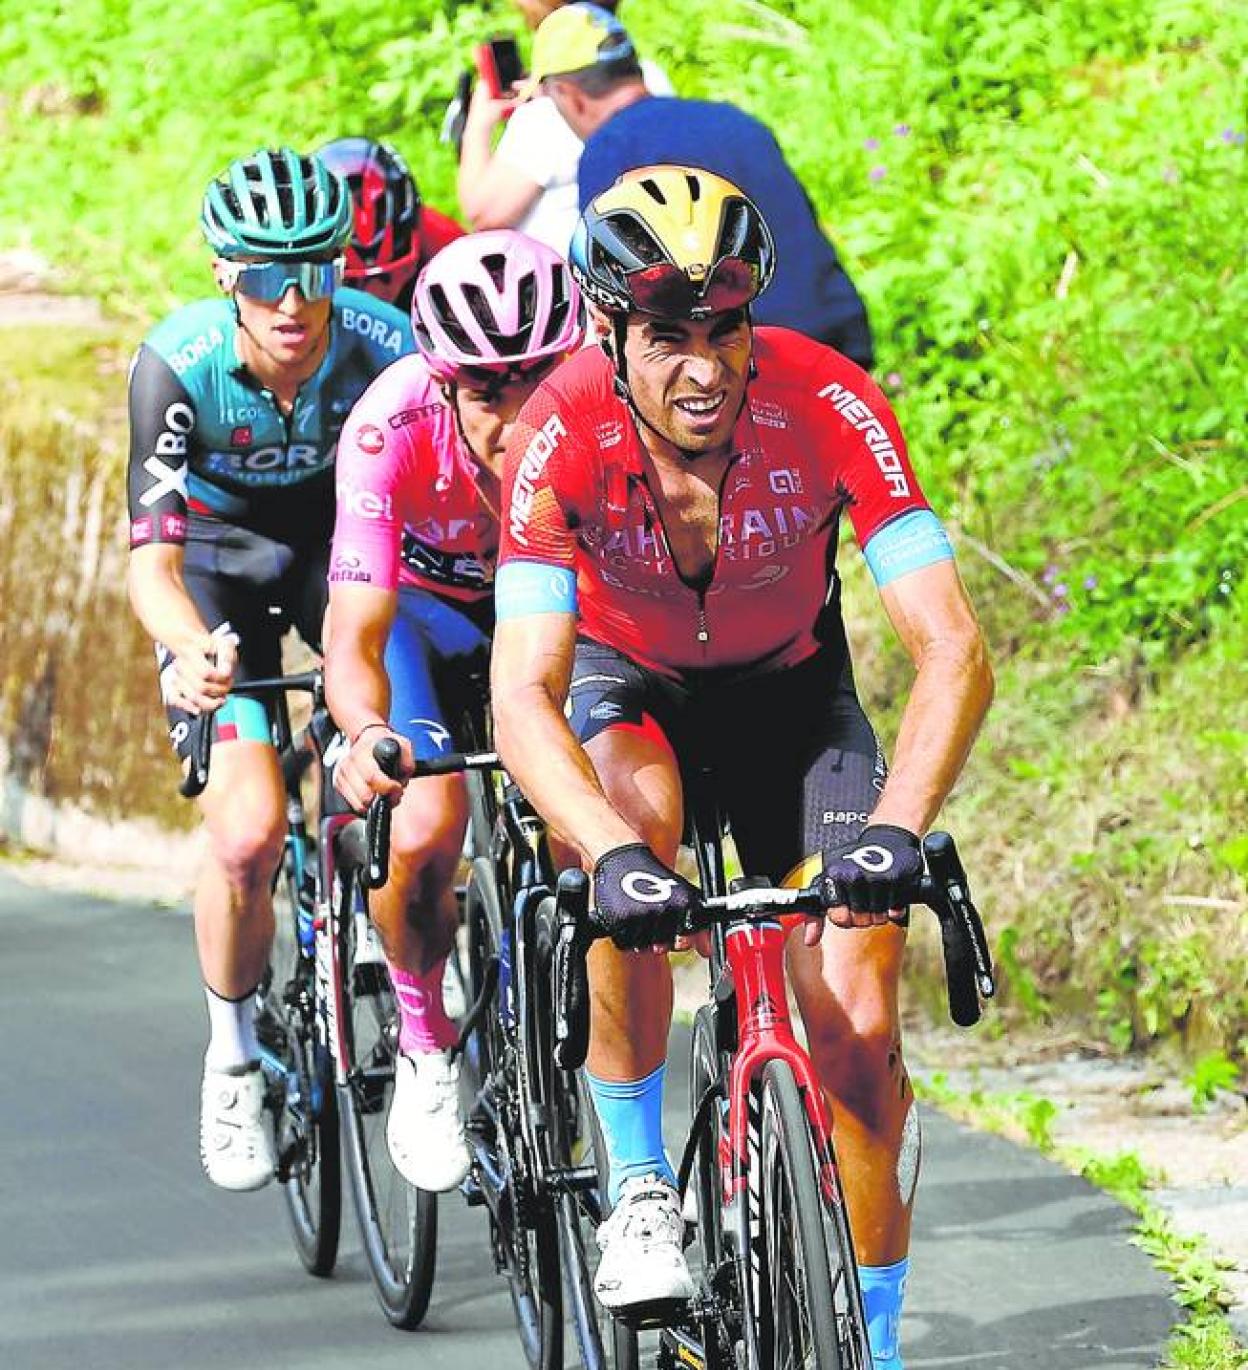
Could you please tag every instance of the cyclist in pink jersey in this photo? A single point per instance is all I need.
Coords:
(411, 615)
(667, 566)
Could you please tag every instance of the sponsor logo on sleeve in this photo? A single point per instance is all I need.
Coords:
(173, 527)
(365, 504)
(349, 566)
(191, 352)
(241, 436)
(856, 413)
(532, 464)
(374, 329)
(370, 439)
(167, 465)
(141, 530)
(406, 416)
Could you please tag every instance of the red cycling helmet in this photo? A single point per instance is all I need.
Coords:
(384, 252)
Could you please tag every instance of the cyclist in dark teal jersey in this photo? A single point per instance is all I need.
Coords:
(236, 405)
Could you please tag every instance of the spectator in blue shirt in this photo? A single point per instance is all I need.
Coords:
(625, 127)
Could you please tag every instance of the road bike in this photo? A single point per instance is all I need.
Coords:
(328, 1023)
(777, 1277)
(528, 1126)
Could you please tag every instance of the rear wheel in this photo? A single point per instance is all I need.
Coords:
(810, 1311)
(398, 1223)
(300, 1091)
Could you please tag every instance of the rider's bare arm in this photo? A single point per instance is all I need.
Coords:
(530, 669)
(203, 664)
(357, 687)
(159, 597)
(952, 689)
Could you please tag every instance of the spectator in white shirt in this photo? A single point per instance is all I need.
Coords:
(529, 181)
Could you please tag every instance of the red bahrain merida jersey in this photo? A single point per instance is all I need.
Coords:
(816, 436)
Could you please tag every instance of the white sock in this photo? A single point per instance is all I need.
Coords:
(232, 1024)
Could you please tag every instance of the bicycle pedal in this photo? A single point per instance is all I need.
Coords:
(286, 1161)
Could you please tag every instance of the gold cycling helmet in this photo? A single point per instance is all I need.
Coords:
(674, 242)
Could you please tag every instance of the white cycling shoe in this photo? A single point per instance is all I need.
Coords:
(235, 1142)
(642, 1261)
(425, 1132)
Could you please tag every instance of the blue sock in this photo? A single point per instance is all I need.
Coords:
(883, 1288)
(630, 1113)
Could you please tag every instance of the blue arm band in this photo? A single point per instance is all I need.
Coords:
(533, 587)
(915, 540)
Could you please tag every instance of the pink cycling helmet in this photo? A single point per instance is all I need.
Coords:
(497, 301)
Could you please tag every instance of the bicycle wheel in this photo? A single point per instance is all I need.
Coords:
(704, 1179)
(300, 1090)
(398, 1223)
(524, 1225)
(575, 1145)
(810, 1307)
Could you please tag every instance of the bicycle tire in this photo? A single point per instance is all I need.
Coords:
(398, 1223)
(575, 1140)
(525, 1228)
(704, 1178)
(810, 1311)
(300, 1090)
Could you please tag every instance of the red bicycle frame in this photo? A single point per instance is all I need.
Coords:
(755, 957)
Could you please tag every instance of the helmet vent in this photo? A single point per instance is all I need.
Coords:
(450, 325)
(653, 189)
(560, 304)
(637, 238)
(495, 266)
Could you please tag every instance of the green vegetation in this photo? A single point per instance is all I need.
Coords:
(1209, 1077)
(1204, 1340)
(1043, 205)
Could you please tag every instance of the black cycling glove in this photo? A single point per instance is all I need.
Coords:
(639, 901)
(878, 871)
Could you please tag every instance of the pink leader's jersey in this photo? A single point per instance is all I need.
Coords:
(409, 510)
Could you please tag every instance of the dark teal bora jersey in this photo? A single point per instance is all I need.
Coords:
(207, 439)
(811, 291)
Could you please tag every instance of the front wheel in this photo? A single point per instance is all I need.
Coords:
(810, 1307)
(398, 1223)
(300, 1092)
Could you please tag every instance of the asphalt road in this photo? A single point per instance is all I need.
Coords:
(115, 1253)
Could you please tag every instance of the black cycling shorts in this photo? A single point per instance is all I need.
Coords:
(792, 760)
(260, 588)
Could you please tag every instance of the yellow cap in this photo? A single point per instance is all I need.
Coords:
(577, 37)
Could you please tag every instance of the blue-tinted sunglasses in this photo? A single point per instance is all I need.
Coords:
(271, 280)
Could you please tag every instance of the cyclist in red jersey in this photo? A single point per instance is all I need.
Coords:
(393, 232)
(668, 568)
(411, 608)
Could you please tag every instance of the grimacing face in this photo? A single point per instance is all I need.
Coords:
(687, 377)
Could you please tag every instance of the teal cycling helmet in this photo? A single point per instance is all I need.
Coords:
(276, 205)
